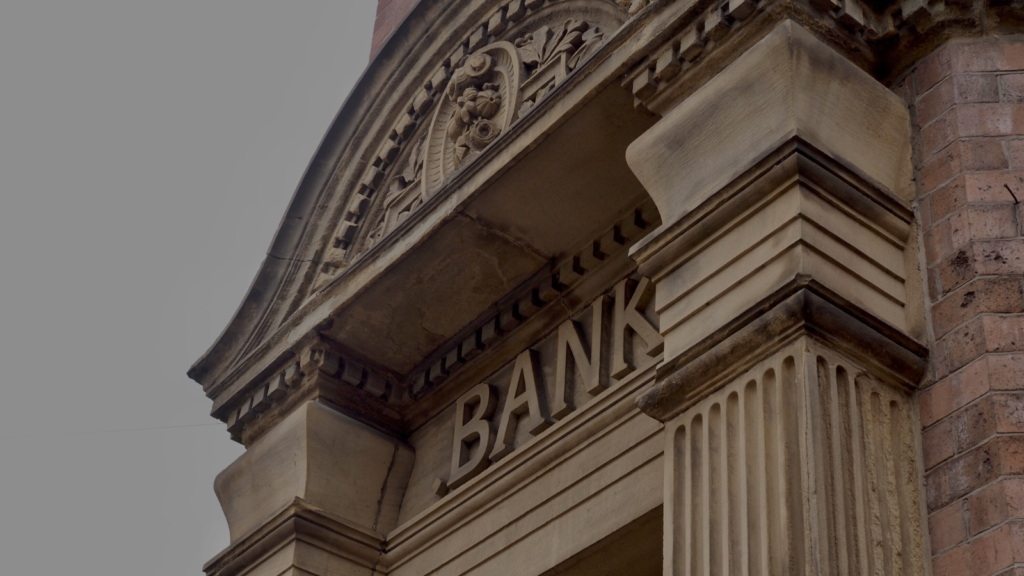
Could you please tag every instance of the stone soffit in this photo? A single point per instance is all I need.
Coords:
(399, 184)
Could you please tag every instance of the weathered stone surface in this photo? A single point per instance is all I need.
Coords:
(790, 85)
(547, 244)
(324, 459)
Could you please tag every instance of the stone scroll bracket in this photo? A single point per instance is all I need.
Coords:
(791, 338)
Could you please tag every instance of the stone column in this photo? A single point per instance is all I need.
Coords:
(785, 271)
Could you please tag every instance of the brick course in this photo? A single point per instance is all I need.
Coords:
(967, 105)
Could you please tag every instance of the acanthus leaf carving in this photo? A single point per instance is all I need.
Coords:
(549, 56)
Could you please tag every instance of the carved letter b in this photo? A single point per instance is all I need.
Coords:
(469, 429)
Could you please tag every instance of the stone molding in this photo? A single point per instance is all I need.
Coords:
(884, 38)
(295, 535)
(894, 358)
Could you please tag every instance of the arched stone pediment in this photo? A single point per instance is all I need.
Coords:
(526, 52)
(391, 149)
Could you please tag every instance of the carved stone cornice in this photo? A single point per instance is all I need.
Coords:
(316, 370)
(883, 37)
(806, 308)
(320, 369)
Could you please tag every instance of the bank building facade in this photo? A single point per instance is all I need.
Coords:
(680, 287)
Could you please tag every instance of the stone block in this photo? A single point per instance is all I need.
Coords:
(307, 456)
(947, 527)
(937, 444)
(726, 128)
(1006, 119)
(984, 295)
(1016, 153)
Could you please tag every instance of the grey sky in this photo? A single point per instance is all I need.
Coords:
(147, 152)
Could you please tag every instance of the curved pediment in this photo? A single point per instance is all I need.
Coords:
(509, 64)
(420, 116)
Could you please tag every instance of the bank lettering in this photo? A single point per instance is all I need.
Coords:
(479, 440)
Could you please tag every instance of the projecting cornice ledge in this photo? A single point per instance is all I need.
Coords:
(809, 309)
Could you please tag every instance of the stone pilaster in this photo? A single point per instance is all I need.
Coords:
(784, 274)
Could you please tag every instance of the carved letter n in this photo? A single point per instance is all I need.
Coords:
(572, 352)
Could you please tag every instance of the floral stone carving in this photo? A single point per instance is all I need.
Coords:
(487, 92)
(471, 127)
(549, 56)
(480, 102)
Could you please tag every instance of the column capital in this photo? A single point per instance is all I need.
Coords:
(774, 191)
(808, 309)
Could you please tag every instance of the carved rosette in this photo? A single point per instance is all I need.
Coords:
(480, 102)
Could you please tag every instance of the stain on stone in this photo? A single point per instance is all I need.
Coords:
(961, 262)
(995, 256)
(969, 299)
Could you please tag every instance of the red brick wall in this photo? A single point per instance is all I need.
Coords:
(967, 102)
(390, 14)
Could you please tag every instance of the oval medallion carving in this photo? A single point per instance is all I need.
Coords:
(480, 102)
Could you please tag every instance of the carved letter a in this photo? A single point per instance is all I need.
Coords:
(523, 399)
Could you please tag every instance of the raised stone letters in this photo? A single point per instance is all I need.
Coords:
(572, 353)
(575, 347)
(628, 321)
(472, 426)
(523, 399)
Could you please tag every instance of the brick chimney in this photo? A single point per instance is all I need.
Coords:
(389, 15)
